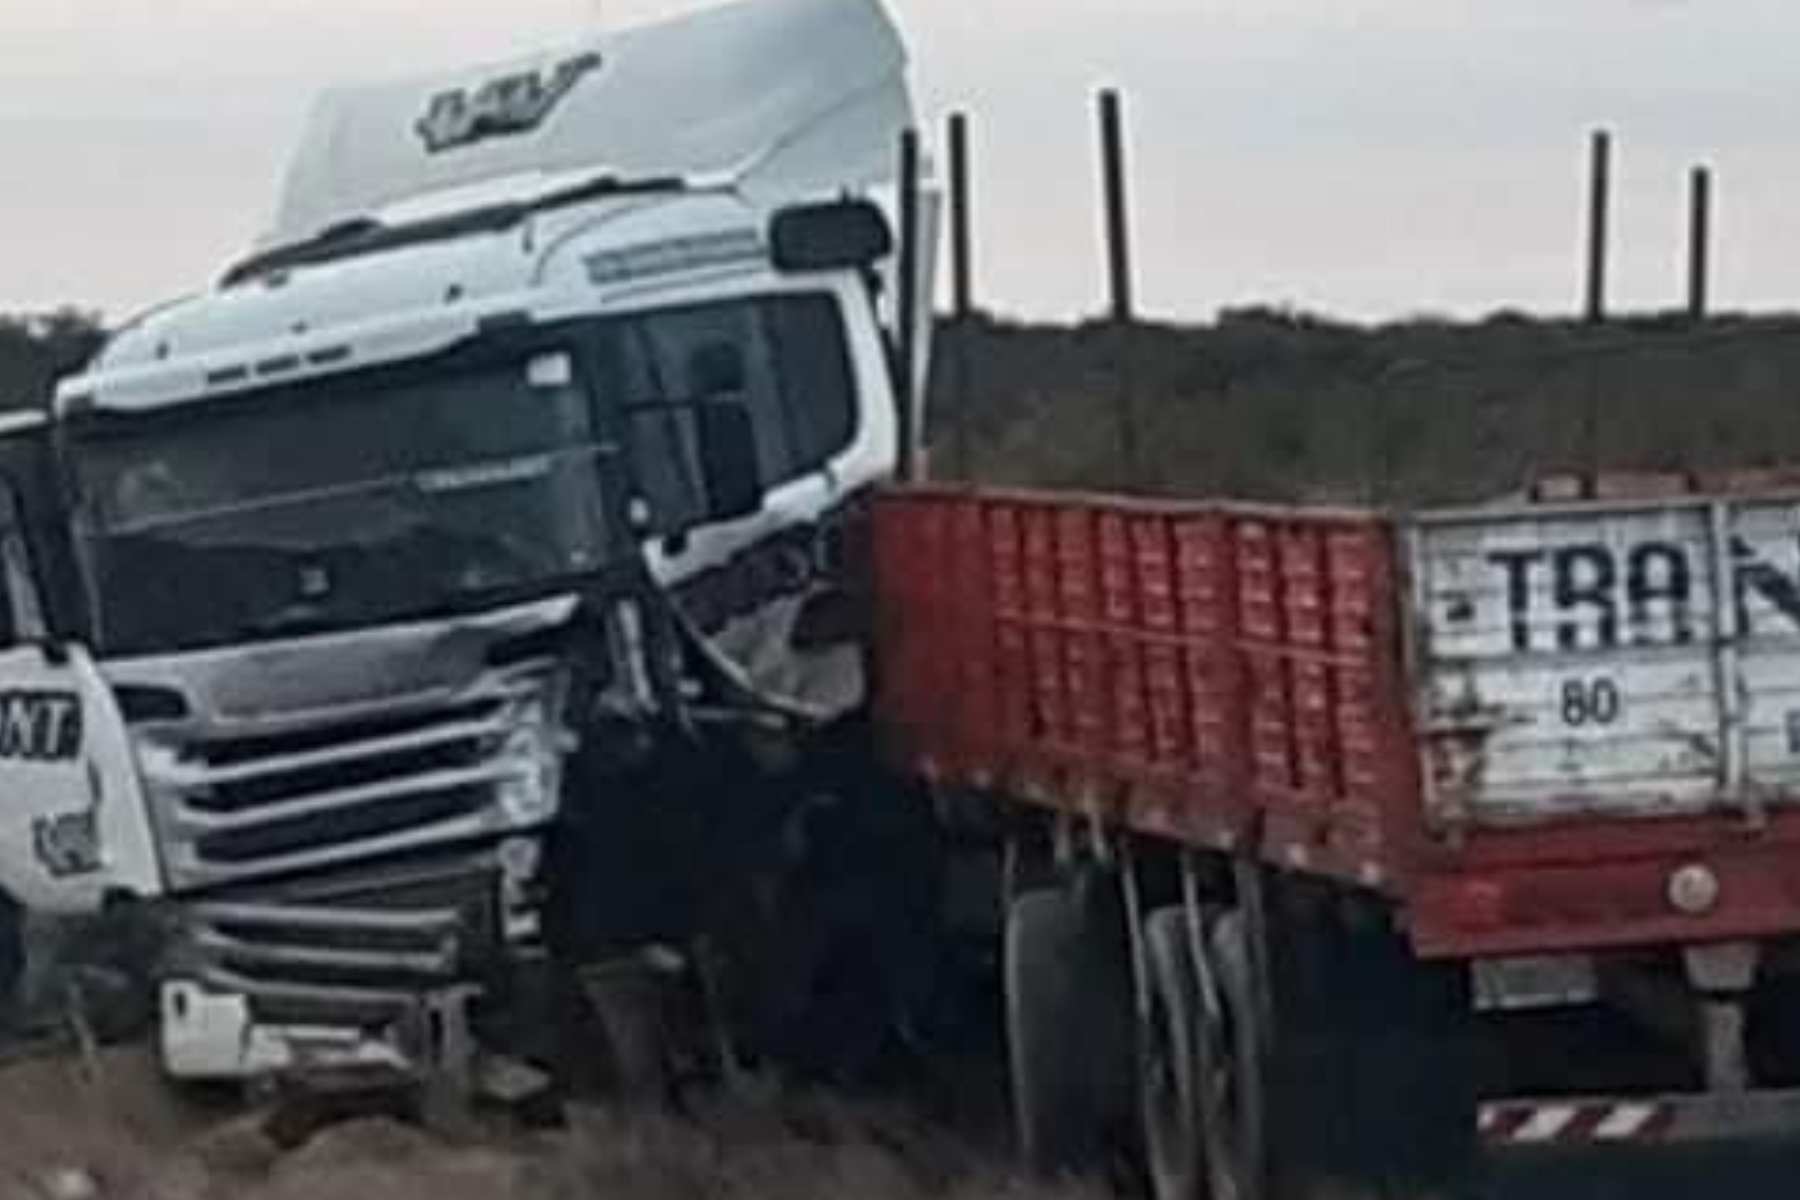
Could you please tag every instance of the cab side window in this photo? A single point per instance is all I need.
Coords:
(816, 382)
(666, 459)
(679, 345)
(783, 359)
(21, 612)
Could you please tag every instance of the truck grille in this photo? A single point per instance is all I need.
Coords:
(355, 952)
(308, 796)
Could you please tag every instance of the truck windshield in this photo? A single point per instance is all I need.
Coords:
(335, 506)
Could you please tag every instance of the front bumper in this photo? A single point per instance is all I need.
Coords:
(352, 976)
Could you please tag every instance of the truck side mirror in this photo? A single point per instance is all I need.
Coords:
(726, 439)
(830, 236)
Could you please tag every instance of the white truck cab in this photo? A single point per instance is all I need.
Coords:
(548, 395)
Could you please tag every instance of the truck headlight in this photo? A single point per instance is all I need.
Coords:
(159, 761)
(525, 801)
(531, 758)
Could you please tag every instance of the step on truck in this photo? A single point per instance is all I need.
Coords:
(446, 607)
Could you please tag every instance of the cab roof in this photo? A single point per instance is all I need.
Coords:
(417, 297)
(794, 97)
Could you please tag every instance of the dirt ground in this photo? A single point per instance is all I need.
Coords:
(67, 1133)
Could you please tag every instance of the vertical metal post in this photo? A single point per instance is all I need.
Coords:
(1599, 239)
(906, 376)
(1118, 212)
(962, 271)
(1599, 223)
(1699, 242)
(1119, 275)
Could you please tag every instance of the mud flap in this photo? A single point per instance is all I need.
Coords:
(1172, 1069)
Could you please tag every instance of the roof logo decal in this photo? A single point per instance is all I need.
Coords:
(504, 107)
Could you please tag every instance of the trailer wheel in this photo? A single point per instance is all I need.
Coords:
(629, 999)
(1170, 1070)
(1232, 1053)
(1063, 997)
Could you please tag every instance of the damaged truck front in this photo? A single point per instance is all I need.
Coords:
(502, 488)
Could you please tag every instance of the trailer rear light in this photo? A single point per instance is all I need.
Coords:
(1478, 905)
(1486, 905)
(1695, 890)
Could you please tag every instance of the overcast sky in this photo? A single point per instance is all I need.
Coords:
(1363, 157)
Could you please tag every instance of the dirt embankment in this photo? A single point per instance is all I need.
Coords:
(1265, 405)
(67, 1133)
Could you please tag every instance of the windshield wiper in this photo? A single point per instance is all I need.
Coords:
(366, 235)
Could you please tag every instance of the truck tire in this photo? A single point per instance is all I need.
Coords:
(629, 998)
(1169, 1068)
(1065, 994)
(1232, 1051)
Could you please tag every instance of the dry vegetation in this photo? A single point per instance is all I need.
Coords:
(1276, 406)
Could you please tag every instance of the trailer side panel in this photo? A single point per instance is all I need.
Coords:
(1218, 676)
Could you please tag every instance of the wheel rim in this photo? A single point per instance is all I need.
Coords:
(1172, 1154)
(1168, 1068)
(1222, 1096)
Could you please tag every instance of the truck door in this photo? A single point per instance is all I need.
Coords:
(770, 594)
(73, 829)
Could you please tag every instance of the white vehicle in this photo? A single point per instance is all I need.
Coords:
(507, 470)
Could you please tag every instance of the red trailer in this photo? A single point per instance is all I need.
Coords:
(1351, 836)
